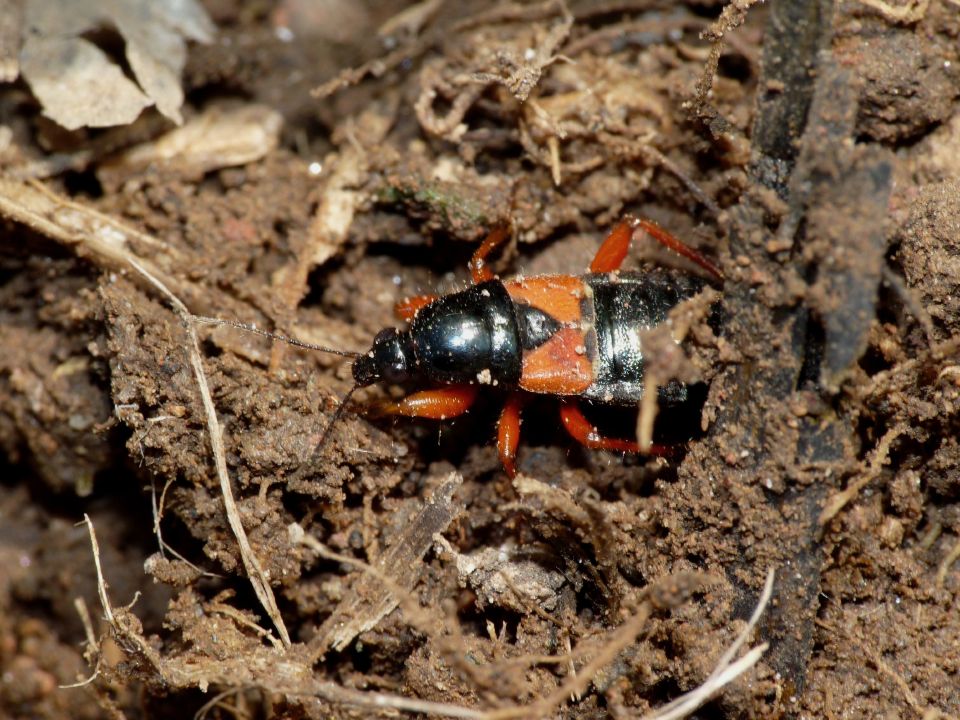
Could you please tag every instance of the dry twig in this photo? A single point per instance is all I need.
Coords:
(255, 573)
(380, 590)
(93, 647)
(731, 17)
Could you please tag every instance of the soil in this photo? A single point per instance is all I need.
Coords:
(813, 154)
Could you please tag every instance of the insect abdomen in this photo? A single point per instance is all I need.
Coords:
(626, 305)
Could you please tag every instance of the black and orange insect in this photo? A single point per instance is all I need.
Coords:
(573, 336)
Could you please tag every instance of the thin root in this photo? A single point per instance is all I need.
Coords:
(879, 456)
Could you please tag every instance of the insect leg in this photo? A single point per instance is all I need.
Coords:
(407, 308)
(678, 246)
(479, 269)
(508, 432)
(584, 432)
(611, 253)
(614, 249)
(438, 404)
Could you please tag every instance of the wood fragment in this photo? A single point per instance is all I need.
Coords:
(371, 599)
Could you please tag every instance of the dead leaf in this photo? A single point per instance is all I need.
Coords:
(224, 135)
(77, 83)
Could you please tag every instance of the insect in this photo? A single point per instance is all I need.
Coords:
(578, 337)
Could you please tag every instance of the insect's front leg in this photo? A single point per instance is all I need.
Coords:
(508, 432)
(479, 270)
(408, 308)
(438, 404)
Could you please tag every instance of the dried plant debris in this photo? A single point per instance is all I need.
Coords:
(501, 576)
(397, 571)
(76, 81)
(223, 135)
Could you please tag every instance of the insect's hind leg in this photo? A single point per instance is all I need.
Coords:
(584, 432)
(613, 251)
(611, 254)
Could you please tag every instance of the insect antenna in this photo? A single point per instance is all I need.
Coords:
(275, 336)
(333, 421)
(338, 413)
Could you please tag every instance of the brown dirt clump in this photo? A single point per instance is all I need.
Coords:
(361, 152)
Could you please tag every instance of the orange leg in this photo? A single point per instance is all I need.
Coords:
(408, 308)
(439, 404)
(584, 432)
(479, 269)
(614, 249)
(612, 252)
(508, 432)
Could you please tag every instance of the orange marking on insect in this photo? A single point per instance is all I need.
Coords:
(557, 295)
(560, 366)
